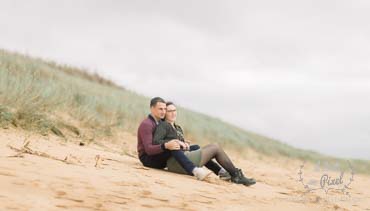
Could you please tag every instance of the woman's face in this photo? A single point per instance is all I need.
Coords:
(171, 113)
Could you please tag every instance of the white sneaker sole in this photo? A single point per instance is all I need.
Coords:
(205, 176)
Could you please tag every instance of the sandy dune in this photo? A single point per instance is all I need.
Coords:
(63, 175)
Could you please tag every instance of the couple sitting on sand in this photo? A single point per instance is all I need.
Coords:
(161, 144)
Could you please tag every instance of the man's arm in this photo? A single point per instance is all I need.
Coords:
(145, 133)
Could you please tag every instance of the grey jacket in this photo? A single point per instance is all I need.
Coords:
(164, 132)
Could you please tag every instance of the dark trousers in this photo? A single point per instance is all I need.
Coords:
(159, 161)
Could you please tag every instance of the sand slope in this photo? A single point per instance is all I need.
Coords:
(63, 175)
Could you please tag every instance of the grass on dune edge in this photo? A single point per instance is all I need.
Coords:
(46, 97)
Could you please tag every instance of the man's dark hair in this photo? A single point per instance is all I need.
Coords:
(154, 101)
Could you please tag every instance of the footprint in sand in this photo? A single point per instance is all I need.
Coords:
(35, 183)
(116, 202)
(7, 174)
(163, 184)
(61, 193)
(119, 196)
(116, 199)
(72, 199)
(98, 205)
(203, 201)
(122, 184)
(19, 183)
(61, 206)
(145, 193)
(208, 197)
(27, 163)
(147, 205)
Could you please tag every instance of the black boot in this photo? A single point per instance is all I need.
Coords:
(239, 178)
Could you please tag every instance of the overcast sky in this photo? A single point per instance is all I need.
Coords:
(297, 71)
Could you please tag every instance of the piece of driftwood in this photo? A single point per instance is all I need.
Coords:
(25, 149)
(98, 161)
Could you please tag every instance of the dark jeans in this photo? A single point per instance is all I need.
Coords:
(159, 161)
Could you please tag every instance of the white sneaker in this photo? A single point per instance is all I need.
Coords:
(200, 173)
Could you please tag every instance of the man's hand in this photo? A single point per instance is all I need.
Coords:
(184, 146)
(187, 146)
(188, 142)
(172, 145)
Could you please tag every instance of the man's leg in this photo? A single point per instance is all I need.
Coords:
(158, 161)
(211, 165)
(184, 161)
(189, 166)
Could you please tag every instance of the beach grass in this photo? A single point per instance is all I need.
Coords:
(50, 98)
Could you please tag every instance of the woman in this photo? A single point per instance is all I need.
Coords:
(167, 130)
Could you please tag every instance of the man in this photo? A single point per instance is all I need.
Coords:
(156, 156)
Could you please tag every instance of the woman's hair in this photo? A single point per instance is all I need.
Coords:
(167, 104)
(170, 103)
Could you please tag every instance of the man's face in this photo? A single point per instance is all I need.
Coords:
(159, 110)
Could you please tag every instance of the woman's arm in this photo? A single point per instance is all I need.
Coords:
(180, 134)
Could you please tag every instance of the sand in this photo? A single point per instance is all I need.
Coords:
(55, 174)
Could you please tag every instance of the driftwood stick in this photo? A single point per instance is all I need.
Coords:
(27, 150)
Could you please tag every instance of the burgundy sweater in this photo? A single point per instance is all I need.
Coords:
(145, 138)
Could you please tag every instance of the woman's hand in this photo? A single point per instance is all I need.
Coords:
(188, 142)
(172, 145)
(184, 146)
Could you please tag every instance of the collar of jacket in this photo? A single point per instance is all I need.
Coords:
(150, 116)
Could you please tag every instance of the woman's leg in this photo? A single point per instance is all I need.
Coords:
(211, 165)
(215, 151)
